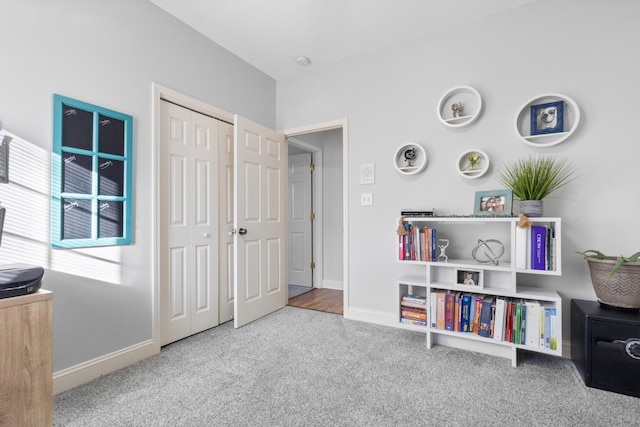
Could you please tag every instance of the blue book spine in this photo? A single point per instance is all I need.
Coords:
(538, 243)
(466, 312)
(485, 318)
(433, 246)
(547, 327)
(407, 252)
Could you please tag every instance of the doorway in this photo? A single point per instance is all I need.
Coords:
(327, 238)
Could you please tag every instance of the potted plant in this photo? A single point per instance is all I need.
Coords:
(533, 179)
(616, 280)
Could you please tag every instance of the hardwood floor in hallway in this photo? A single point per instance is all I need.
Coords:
(327, 300)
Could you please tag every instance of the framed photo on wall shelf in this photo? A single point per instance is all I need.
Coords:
(547, 118)
(493, 203)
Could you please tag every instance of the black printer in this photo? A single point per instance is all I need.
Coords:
(19, 279)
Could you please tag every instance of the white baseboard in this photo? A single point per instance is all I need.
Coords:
(74, 376)
(370, 316)
(333, 284)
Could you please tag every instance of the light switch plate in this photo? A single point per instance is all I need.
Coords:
(366, 199)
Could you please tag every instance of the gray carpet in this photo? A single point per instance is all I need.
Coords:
(301, 367)
(295, 290)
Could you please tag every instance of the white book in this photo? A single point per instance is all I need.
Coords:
(501, 315)
(522, 245)
(433, 305)
(532, 323)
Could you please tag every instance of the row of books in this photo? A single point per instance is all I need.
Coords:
(417, 244)
(527, 322)
(536, 248)
(413, 310)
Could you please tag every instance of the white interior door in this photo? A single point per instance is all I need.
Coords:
(226, 262)
(300, 230)
(188, 222)
(260, 176)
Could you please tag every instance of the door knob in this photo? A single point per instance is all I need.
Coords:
(242, 231)
(205, 235)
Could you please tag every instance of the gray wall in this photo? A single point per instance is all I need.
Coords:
(106, 53)
(584, 49)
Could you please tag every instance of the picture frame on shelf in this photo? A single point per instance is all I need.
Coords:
(493, 203)
(547, 118)
(469, 277)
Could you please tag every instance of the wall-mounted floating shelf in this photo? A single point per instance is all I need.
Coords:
(471, 106)
(466, 170)
(569, 119)
(410, 158)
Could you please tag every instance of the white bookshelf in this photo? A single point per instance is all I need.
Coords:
(500, 280)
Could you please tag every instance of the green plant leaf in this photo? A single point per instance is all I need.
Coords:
(535, 178)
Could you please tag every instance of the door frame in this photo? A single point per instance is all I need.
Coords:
(329, 125)
(316, 227)
(159, 93)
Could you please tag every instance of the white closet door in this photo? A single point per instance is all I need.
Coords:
(189, 222)
(226, 261)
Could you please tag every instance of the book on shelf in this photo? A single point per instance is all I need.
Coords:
(433, 304)
(416, 322)
(550, 326)
(485, 317)
(498, 331)
(433, 245)
(414, 298)
(522, 247)
(538, 247)
(449, 310)
(440, 309)
(523, 322)
(417, 213)
(477, 307)
(532, 335)
(414, 313)
(464, 317)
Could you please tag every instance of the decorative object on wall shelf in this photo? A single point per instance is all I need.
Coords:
(459, 107)
(547, 120)
(616, 280)
(473, 164)
(493, 203)
(533, 179)
(410, 159)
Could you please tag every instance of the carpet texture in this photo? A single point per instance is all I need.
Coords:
(300, 367)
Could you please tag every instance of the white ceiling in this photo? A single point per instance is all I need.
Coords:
(271, 34)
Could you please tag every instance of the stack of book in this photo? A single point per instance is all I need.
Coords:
(413, 310)
(536, 248)
(525, 322)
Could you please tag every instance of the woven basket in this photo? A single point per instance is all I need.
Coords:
(623, 290)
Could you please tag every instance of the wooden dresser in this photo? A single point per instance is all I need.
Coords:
(26, 360)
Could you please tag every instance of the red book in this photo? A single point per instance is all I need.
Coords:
(449, 311)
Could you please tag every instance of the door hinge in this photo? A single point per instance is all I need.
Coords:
(312, 167)
(313, 265)
(312, 216)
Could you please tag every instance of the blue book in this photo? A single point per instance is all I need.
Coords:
(538, 246)
(434, 257)
(466, 312)
(485, 317)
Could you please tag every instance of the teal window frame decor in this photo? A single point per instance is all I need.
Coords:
(91, 175)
